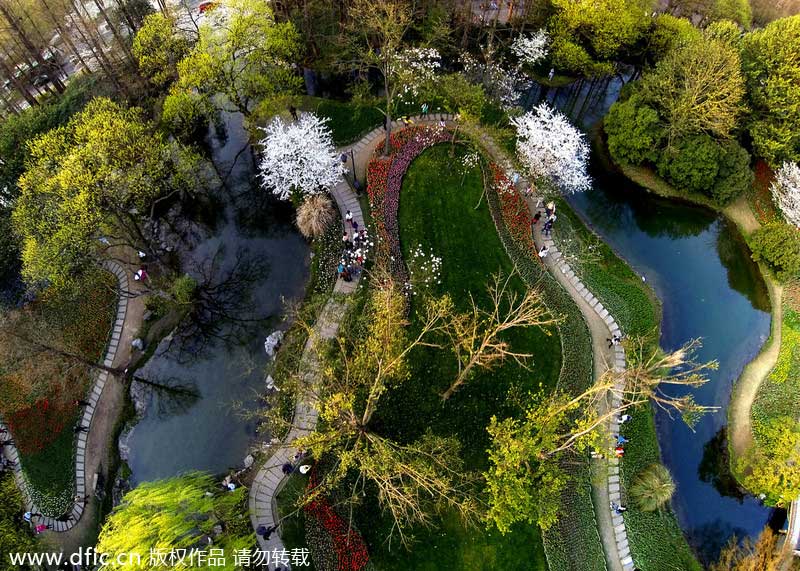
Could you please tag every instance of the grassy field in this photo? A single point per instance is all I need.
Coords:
(438, 211)
(348, 121)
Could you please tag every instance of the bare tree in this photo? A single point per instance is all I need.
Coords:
(477, 336)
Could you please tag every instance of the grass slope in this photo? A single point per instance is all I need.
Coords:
(438, 212)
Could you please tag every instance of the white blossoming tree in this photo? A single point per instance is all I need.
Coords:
(298, 157)
(531, 49)
(500, 83)
(549, 146)
(786, 192)
(380, 28)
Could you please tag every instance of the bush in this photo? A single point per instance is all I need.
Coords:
(184, 289)
(634, 131)
(693, 165)
(186, 114)
(652, 488)
(734, 176)
(778, 245)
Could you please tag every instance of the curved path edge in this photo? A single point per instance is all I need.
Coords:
(602, 325)
(270, 478)
(81, 484)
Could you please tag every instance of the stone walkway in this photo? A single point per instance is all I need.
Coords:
(270, 478)
(83, 480)
(602, 326)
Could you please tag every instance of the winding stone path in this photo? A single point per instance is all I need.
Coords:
(602, 326)
(83, 480)
(270, 478)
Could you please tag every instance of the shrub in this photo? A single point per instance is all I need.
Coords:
(652, 488)
(185, 114)
(778, 245)
(693, 165)
(315, 215)
(634, 131)
(184, 289)
(734, 176)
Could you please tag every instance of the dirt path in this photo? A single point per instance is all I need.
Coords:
(100, 444)
(740, 430)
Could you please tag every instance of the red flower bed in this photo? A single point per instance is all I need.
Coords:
(40, 424)
(516, 214)
(351, 551)
(384, 182)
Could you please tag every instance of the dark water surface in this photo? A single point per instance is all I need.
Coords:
(700, 268)
(211, 433)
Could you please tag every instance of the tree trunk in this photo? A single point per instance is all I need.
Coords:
(85, 32)
(114, 31)
(35, 53)
(18, 85)
(65, 36)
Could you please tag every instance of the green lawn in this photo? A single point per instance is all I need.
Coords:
(437, 212)
(348, 121)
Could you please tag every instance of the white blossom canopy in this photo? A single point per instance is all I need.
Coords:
(299, 157)
(414, 69)
(549, 146)
(503, 84)
(786, 192)
(531, 49)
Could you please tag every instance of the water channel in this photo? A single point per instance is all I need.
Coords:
(700, 268)
(212, 432)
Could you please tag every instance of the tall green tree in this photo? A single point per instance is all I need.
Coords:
(243, 53)
(588, 36)
(697, 88)
(177, 513)
(770, 61)
(158, 47)
(97, 177)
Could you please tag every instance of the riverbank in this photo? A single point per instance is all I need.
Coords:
(751, 381)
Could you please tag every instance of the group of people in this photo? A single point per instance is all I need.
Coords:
(356, 246)
(549, 217)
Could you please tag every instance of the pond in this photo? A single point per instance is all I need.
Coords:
(212, 432)
(701, 270)
(699, 267)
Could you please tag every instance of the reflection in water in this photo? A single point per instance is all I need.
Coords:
(250, 266)
(742, 272)
(708, 539)
(715, 468)
(715, 297)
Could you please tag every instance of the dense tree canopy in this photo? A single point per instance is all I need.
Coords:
(770, 59)
(98, 176)
(697, 88)
(588, 36)
(158, 47)
(243, 53)
(178, 513)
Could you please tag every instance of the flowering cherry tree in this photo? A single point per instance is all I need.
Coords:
(549, 146)
(298, 157)
(531, 49)
(414, 69)
(505, 85)
(786, 192)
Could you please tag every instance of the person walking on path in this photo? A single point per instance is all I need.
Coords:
(80, 428)
(548, 227)
(265, 532)
(543, 252)
(614, 340)
(293, 112)
(348, 217)
(424, 109)
(537, 217)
